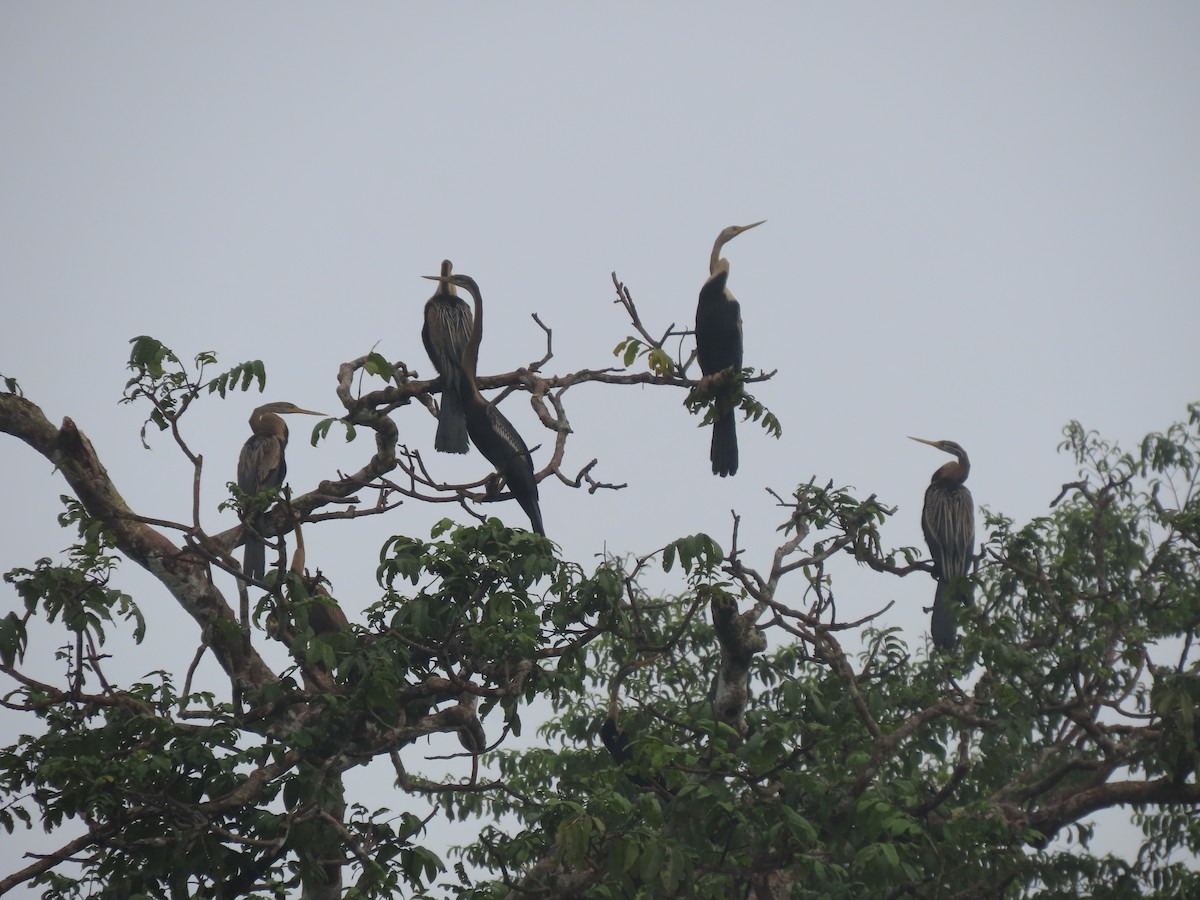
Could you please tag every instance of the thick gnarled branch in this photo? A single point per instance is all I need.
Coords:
(181, 570)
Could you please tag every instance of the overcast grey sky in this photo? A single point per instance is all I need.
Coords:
(982, 222)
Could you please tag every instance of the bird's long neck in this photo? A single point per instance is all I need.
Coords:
(298, 556)
(715, 262)
(470, 359)
(954, 473)
(268, 424)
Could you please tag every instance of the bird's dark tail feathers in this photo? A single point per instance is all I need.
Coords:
(518, 475)
(943, 627)
(529, 503)
(724, 451)
(451, 434)
(254, 556)
(254, 559)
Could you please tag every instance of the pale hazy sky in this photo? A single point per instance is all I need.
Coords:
(982, 222)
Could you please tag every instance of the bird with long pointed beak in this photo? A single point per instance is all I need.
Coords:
(491, 433)
(719, 347)
(262, 465)
(445, 334)
(948, 521)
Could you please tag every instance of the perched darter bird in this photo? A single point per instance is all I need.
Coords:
(324, 615)
(261, 465)
(948, 520)
(719, 347)
(445, 334)
(491, 433)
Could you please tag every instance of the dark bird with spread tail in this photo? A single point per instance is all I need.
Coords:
(719, 347)
(948, 520)
(445, 334)
(261, 465)
(492, 434)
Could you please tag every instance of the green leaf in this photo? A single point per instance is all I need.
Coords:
(632, 346)
(149, 355)
(376, 364)
(321, 430)
(13, 639)
(660, 361)
(240, 376)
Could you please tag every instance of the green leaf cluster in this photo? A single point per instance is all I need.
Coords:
(161, 379)
(657, 359)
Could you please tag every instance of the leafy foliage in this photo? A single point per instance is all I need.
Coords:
(715, 402)
(161, 378)
(701, 397)
(727, 735)
(882, 775)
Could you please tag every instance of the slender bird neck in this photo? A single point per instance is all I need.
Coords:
(953, 472)
(716, 262)
(298, 556)
(470, 359)
(267, 423)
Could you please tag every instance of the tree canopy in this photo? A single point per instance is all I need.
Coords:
(733, 736)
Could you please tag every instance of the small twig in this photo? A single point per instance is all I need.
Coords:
(549, 355)
(585, 475)
(187, 681)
